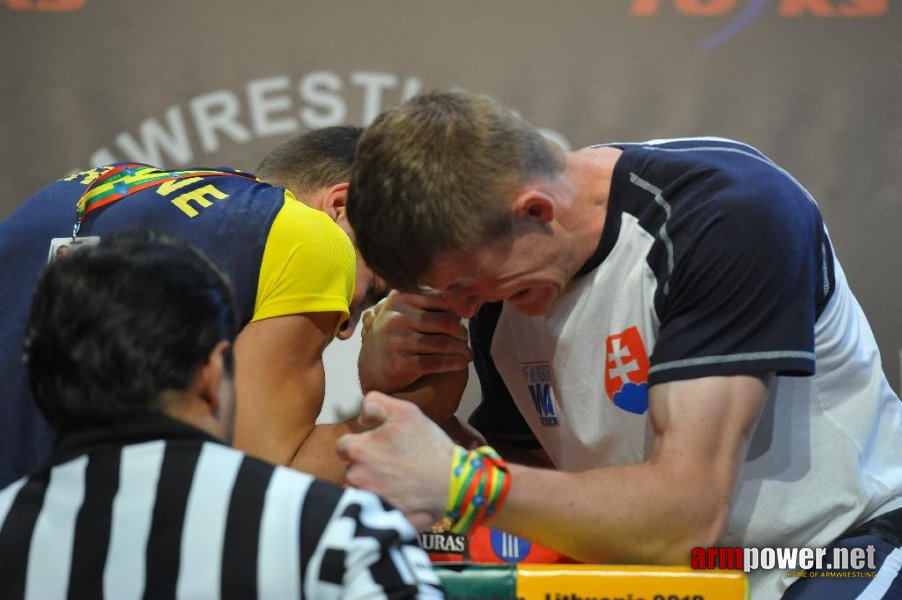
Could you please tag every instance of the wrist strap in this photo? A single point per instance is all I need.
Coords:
(479, 483)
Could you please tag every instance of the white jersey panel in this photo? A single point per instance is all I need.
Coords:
(560, 373)
(824, 456)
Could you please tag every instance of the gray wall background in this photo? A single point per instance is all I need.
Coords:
(815, 84)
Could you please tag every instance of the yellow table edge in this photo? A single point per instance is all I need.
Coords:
(549, 582)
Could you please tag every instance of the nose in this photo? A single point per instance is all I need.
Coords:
(463, 305)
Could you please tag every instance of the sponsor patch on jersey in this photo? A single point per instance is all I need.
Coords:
(537, 376)
(626, 371)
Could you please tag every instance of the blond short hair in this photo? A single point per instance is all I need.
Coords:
(435, 176)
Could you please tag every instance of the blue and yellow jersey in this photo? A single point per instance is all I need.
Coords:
(281, 256)
(307, 265)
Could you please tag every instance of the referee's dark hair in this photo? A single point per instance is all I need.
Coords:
(115, 325)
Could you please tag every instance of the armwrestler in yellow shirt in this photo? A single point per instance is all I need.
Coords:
(288, 251)
(429, 355)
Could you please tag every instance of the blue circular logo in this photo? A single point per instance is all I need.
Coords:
(509, 548)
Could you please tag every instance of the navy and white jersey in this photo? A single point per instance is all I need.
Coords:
(713, 261)
(156, 509)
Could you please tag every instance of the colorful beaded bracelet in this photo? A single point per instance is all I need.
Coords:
(479, 484)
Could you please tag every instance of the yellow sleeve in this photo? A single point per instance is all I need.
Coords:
(308, 265)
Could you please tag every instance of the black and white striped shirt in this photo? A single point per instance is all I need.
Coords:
(157, 509)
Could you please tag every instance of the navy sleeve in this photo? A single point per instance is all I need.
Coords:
(752, 268)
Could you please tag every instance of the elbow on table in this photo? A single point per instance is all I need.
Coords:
(701, 527)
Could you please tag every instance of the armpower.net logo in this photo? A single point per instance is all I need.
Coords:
(796, 562)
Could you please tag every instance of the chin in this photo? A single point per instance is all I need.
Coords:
(539, 304)
(532, 310)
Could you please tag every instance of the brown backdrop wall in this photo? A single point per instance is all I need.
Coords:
(815, 84)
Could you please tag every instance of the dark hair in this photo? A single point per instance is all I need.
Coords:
(313, 160)
(436, 175)
(113, 326)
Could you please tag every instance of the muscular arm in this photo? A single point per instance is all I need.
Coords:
(657, 511)
(280, 383)
(649, 513)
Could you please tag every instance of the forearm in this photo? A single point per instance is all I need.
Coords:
(657, 511)
(437, 394)
(640, 514)
(316, 454)
(272, 432)
(521, 456)
(649, 513)
(280, 383)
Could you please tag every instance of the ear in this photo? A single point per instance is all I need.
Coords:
(532, 204)
(335, 201)
(208, 381)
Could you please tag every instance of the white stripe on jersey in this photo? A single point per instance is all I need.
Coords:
(727, 358)
(419, 563)
(410, 564)
(8, 496)
(886, 574)
(662, 232)
(279, 555)
(50, 553)
(124, 574)
(203, 534)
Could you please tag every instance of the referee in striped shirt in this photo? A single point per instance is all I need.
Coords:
(129, 355)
